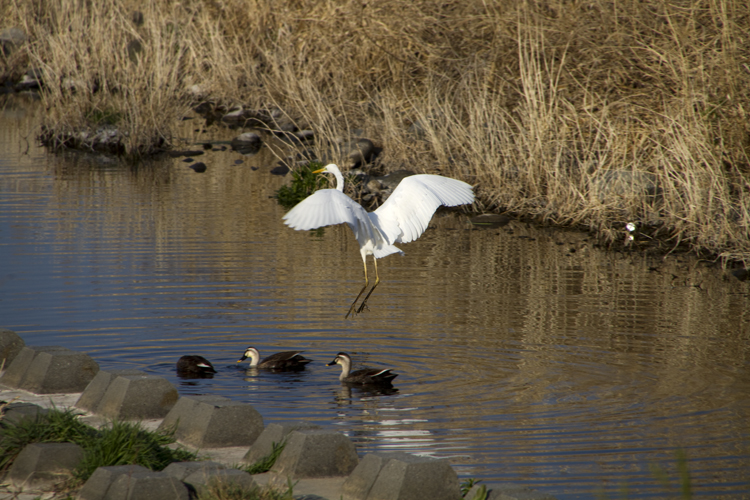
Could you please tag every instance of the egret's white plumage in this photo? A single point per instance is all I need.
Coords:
(402, 218)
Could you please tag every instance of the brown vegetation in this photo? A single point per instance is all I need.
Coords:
(589, 113)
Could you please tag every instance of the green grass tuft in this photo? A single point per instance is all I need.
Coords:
(124, 443)
(304, 183)
(218, 490)
(53, 427)
(120, 443)
(265, 463)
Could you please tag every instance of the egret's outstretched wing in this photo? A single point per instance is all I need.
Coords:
(406, 213)
(326, 207)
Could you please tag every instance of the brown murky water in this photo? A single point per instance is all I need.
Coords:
(524, 355)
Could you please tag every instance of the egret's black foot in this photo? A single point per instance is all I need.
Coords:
(362, 307)
(352, 312)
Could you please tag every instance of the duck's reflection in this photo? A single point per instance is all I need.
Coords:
(343, 395)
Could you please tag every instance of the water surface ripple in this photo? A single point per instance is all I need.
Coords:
(525, 355)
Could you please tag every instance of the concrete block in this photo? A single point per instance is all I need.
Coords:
(42, 465)
(94, 392)
(273, 433)
(50, 370)
(16, 370)
(316, 454)
(181, 470)
(213, 422)
(203, 480)
(137, 397)
(357, 486)
(147, 486)
(10, 345)
(402, 476)
(15, 412)
(98, 484)
(507, 491)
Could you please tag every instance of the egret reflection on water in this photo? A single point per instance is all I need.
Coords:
(402, 218)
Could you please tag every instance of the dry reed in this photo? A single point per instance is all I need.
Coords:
(582, 113)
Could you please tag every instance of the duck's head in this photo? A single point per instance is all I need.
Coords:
(342, 359)
(253, 354)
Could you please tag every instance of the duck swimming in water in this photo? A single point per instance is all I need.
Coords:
(287, 360)
(366, 376)
(195, 367)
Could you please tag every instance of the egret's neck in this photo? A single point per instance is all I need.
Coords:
(339, 180)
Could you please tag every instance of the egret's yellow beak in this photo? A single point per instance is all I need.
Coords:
(319, 170)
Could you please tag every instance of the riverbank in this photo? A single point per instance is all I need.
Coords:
(313, 463)
(585, 115)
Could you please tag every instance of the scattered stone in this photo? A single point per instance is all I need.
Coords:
(10, 345)
(280, 170)
(242, 117)
(273, 434)
(741, 274)
(490, 221)
(392, 180)
(313, 453)
(98, 484)
(11, 39)
(42, 465)
(213, 422)
(185, 152)
(137, 397)
(612, 185)
(248, 143)
(400, 476)
(75, 85)
(137, 17)
(358, 152)
(134, 49)
(417, 130)
(198, 166)
(94, 392)
(31, 80)
(305, 135)
(104, 139)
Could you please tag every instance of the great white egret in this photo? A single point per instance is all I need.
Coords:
(402, 218)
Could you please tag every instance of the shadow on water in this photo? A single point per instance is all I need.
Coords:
(526, 355)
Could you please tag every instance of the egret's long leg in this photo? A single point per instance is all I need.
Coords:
(351, 309)
(377, 280)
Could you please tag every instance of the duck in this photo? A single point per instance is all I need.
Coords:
(194, 366)
(287, 360)
(366, 376)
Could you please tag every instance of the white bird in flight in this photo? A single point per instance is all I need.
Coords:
(402, 218)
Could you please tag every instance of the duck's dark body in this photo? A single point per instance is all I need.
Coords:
(195, 366)
(287, 360)
(366, 376)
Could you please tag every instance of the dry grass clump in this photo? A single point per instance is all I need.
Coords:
(577, 112)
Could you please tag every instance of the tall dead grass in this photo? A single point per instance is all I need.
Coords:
(577, 112)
